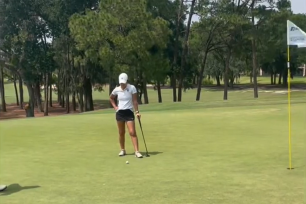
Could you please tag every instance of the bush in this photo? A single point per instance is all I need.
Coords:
(207, 81)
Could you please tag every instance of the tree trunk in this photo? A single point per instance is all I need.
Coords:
(63, 91)
(280, 78)
(88, 94)
(231, 79)
(274, 82)
(38, 97)
(139, 99)
(46, 110)
(85, 100)
(271, 78)
(2, 91)
(21, 92)
(254, 52)
(185, 49)
(80, 97)
(176, 47)
(59, 97)
(285, 77)
(145, 94)
(139, 90)
(159, 92)
(29, 108)
(218, 80)
(145, 90)
(50, 92)
(194, 80)
(63, 101)
(200, 78)
(254, 67)
(73, 102)
(67, 100)
(173, 85)
(16, 91)
(59, 91)
(227, 64)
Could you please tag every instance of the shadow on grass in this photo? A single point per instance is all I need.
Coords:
(15, 188)
(299, 167)
(150, 153)
(155, 153)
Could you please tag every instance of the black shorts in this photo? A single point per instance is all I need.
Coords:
(125, 115)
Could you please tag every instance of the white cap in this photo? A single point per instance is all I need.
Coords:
(123, 77)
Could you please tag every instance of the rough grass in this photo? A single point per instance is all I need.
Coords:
(167, 95)
(212, 152)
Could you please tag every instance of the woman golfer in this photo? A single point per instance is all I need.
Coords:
(127, 97)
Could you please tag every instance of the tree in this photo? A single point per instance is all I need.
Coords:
(120, 38)
(234, 15)
(185, 49)
(203, 39)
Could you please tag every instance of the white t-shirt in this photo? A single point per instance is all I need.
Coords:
(125, 97)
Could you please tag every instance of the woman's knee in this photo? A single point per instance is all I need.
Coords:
(131, 129)
(132, 133)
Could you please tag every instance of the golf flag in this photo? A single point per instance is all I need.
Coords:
(295, 35)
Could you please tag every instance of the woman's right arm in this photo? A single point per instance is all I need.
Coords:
(112, 101)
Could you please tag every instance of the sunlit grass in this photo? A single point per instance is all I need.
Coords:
(213, 151)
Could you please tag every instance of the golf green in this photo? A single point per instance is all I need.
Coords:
(213, 152)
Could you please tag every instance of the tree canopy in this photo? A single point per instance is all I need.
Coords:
(79, 46)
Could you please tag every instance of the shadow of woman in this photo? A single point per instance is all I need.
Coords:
(150, 153)
(15, 188)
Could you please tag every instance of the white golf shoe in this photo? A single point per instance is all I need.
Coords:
(122, 153)
(2, 187)
(138, 155)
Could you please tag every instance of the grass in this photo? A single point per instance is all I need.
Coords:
(188, 96)
(213, 151)
(267, 80)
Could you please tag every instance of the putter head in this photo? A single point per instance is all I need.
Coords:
(147, 155)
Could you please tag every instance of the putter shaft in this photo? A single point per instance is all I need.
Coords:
(147, 153)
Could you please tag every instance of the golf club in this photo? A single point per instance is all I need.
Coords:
(147, 154)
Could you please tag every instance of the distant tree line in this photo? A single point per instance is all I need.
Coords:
(76, 46)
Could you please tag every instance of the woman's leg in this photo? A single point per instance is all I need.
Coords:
(132, 132)
(121, 129)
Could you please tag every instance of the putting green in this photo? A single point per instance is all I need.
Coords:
(214, 152)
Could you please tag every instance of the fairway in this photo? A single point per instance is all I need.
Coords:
(207, 152)
(217, 88)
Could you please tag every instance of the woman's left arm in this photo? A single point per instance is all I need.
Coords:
(135, 101)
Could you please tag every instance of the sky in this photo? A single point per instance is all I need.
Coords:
(298, 6)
